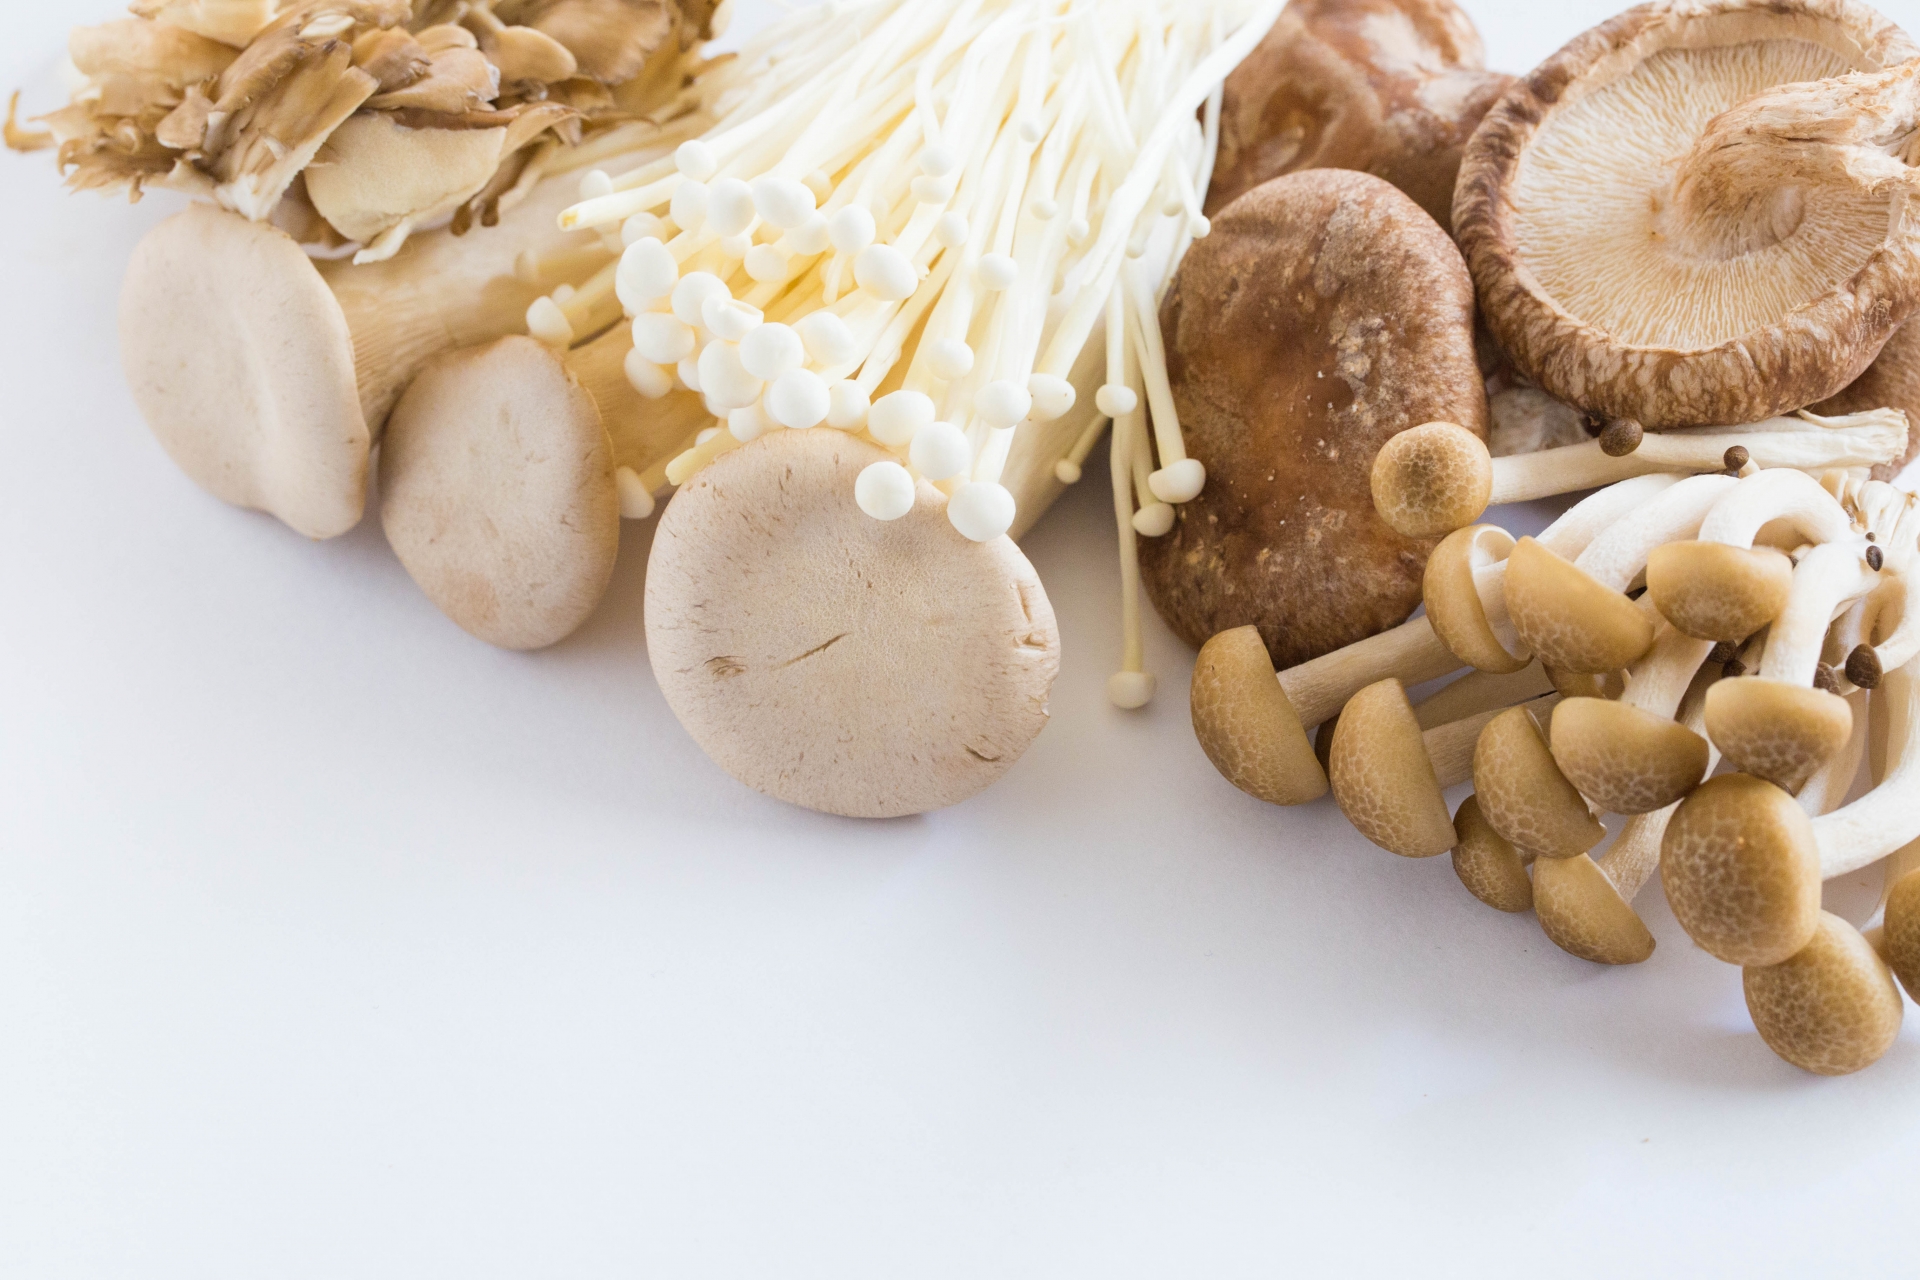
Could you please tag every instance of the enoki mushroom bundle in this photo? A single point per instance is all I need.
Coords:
(909, 222)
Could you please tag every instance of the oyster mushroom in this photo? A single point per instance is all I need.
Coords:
(1393, 88)
(1323, 314)
(907, 678)
(1687, 214)
(1830, 1008)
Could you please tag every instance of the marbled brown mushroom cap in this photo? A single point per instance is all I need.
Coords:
(1324, 314)
(1393, 88)
(1892, 381)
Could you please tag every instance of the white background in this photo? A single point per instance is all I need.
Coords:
(336, 944)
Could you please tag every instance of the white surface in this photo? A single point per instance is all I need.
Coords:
(335, 944)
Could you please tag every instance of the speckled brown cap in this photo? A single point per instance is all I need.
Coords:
(1324, 314)
(1892, 381)
(1830, 1008)
(1742, 870)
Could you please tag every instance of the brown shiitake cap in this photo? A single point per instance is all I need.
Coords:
(1713, 591)
(1624, 759)
(1776, 730)
(1584, 914)
(1571, 622)
(1382, 777)
(1392, 88)
(497, 493)
(1246, 724)
(1487, 863)
(1524, 795)
(1289, 377)
(1742, 870)
(1453, 602)
(1900, 936)
(1659, 231)
(1892, 381)
(240, 360)
(850, 665)
(1432, 479)
(1831, 1008)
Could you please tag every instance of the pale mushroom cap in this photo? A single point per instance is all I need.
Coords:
(1523, 793)
(1831, 1008)
(1487, 863)
(1454, 607)
(1776, 730)
(497, 492)
(1246, 724)
(849, 665)
(1624, 759)
(1608, 292)
(1584, 915)
(1712, 591)
(1382, 777)
(1571, 622)
(1901, 935)
(240, 360)
(1742, 870)
(1432, 479)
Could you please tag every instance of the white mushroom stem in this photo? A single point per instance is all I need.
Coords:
(1130, 687)
(1887, 818)
(1659, 681)
(1827, 789)
(1806, 442)
(1619, 555)
(1778, 495)
(1479, 691)
(1828, 579)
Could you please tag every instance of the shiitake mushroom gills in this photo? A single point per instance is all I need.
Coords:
(1326, 313)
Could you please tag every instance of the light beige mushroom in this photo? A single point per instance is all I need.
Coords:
(1742, 870)
(851, 665)
(1901, 936)
(1523, 793)
(1830, 1008)
(1487, 863)
(497, 492)
(1686, 214)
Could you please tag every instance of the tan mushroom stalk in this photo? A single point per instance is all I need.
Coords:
(1694, 212)
(1437, 478)
(1631, 755)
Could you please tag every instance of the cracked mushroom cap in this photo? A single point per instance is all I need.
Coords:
(1324, 313)
(1901, 935)
(1584, 914)
(1393, 88)
(1524, 795)
(1831, 1008)
(1572, 623)
(1248, 726)
(1487, 862)
(240, 360)
(855, 666)
(1777, 730)
(1713, 591)
(1625, 759)
(497, 493)
(1383, 778)
(1660, 230)
(1742, 870)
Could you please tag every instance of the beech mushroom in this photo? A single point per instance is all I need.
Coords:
(1438, 477)
(908, 676)
(1901, 935)
(1687, 214)
(1742, 870)
(1524, 795)
(1632, 755)
(1324, 313)
(1487, 863)
(1831, 1007)
(1389, 87)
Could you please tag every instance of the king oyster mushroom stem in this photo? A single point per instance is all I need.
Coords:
(1438, 477)
(268, 377)
(1692, 213)
(1388, 775)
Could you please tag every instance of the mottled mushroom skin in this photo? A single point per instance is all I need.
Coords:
(1584, 915)
(1831, 1008)
(1487, 863)
(1393, 88)
(1246, 725)
(1325, 314)
(1892, 381)
(1901, 936)
(1742, 870)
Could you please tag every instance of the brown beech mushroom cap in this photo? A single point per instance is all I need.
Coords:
(240, 359)
(1393, 88)
(1455, 607)
(1246, 724)
(1900, 935)
(1715, 591)
(497, 493)
(1585, 915)
(1383, 777)
(1572, 622)
(850, 665)
(1830, 1008)
(1892, 381)
(1683, 217)
(1432, 480)
(1524, 795)
(1487, 862)
(1742, 870)
(1324, 313)
(1775, 729)
(1625, 759)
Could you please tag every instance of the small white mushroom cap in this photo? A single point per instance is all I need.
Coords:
(837, 662)
(242, 364)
